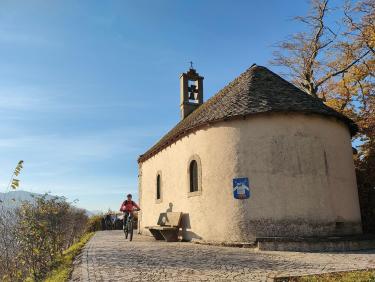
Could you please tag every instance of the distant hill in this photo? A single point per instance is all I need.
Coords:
(19, 195)
(95, 212)
(14, 199)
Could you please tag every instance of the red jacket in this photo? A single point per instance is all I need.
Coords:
(128, 206)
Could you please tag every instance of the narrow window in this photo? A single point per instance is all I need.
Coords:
(158, 194)
(193, 170)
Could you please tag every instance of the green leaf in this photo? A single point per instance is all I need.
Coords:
(15, 182)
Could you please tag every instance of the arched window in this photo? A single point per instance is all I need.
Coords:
(158, 187)
(193, 176)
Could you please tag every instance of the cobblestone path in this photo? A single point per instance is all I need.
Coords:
(109, 257)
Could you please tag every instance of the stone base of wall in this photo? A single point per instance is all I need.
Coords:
(300, 244)
(317, 244)
(252, 245)
(297, 228)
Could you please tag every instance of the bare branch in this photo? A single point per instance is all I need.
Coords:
(342, 70)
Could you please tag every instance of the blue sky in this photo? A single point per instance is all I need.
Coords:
(88, 86)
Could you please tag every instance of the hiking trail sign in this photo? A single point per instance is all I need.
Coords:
(241, 188)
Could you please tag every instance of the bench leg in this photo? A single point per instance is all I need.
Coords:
(170, 235)
(156, 234)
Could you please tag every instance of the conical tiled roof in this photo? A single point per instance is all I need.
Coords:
(257, 90)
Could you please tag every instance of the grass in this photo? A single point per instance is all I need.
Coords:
(64, 266)
(349, 276)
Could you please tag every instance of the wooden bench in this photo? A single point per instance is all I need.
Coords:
(168, 226)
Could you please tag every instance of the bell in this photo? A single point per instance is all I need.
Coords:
(193, 92)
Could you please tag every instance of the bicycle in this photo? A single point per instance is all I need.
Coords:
(128, 226)
(108, 223)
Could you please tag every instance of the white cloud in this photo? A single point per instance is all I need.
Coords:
(15, 36)
(55, 99)
(79, 167)
(62, 147)
(22, 98)
(92, 164)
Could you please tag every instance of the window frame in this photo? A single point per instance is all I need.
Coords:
(160, 178)
(199, 175)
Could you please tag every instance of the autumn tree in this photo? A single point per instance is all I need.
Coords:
(10, 265)
(309, 55)
(354, 95)
(335, 63)
(45, 229)
(34, 236)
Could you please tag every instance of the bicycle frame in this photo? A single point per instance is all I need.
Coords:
(128, 226)
(130, 217)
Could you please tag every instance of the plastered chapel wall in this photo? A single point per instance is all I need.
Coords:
(301, 176)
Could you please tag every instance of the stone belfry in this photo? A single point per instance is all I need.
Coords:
(191, 91)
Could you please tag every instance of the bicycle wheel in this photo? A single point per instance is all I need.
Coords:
(130, 230)
(126, 230)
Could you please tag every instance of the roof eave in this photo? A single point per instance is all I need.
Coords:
(352, 126)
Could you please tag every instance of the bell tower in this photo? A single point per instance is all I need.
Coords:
(191, 91)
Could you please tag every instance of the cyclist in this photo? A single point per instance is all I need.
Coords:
(127, 207)
(108, 221)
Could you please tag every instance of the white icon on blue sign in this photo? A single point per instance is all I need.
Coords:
(241, 188)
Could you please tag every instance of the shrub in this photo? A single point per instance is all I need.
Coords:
(94, 223)
(65, 263)
(35, 236)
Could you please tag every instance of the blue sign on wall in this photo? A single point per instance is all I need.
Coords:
(241, 188)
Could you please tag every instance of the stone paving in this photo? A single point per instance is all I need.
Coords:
(109, 257)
